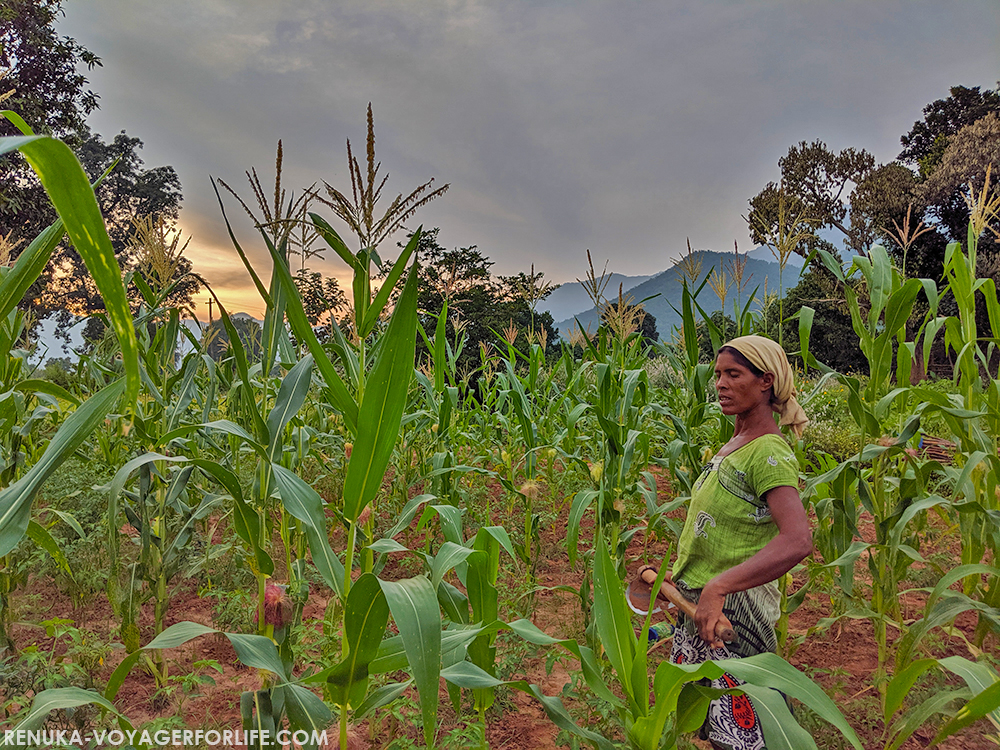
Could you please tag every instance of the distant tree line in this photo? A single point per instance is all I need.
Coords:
(481, 307)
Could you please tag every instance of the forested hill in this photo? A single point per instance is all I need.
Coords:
(570, 298)
(668, 286)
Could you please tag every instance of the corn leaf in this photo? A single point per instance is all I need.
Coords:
(611, 615)
(414, 607)
(770, 670)
(305, 504)
(366, 614)
(73, 198)
(57, 698)
(339, 395)
(291, 396)
(16, 500)
(381, 410)
(382, 296)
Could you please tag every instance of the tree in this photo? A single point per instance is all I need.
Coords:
(320, 296)
(871, 203)
(480, 305)
(925, 144)
(49, 91)
(889, 201)
(970, 152)
(816, 182)
(51, 95)
(939, 195)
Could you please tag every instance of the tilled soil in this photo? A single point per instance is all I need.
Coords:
(842, 658)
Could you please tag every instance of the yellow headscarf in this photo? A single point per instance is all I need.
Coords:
(768, 356)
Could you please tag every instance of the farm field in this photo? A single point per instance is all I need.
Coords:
(842, 659)
(367, 532)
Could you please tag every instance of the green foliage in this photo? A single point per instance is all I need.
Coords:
(232, 610)
(927, 140)
(815, 180)
(833, 338)
(321, 297)
(59, 370)
(480, 306)
(421, 512)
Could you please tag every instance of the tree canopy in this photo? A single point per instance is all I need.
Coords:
(42, 69)
(867, 202)
(480, 305)
(925, 144)
(913, 205)
(52, 96)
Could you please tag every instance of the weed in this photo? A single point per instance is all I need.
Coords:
(232, 611)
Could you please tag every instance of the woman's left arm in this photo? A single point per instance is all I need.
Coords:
(792, 544)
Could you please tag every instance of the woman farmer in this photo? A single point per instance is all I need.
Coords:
(745, 529)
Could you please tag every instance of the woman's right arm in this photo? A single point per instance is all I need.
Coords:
(786, 550)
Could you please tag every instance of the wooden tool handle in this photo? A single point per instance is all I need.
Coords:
(723, 629)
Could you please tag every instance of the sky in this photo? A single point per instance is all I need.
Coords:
(624, 127)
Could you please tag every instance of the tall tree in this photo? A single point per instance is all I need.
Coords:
(48, 92)
(925, 144)
(52, 96)
(970, 152)
(866, 202)
(817, 182)
(43, 69)
(320, 295)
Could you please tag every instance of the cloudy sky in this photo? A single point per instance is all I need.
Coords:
(620, 126)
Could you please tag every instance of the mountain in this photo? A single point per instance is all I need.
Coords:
(764, 253)
(667, 287)
(570, 299)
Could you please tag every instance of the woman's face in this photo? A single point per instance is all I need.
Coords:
(738, 388)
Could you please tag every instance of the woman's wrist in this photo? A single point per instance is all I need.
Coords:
(714, 588)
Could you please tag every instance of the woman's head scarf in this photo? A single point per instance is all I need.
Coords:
(768, 356)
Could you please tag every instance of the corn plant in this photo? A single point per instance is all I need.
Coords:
(872, 475)
(619, 404)
(689, 409)
(680, 703)
(977, 474)
(159, 509)
(891, 482)
(961, 706)
(21, 443)
(73, 198)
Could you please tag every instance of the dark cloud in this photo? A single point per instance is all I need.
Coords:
(622, 127)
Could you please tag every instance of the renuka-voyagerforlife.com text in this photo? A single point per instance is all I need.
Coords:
(161, 738)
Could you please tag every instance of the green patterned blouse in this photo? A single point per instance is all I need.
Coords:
(728, 519)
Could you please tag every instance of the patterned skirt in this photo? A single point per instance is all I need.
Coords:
(732, 723)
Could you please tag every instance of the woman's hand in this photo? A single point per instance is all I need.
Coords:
(708, 615)
(648, 575)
